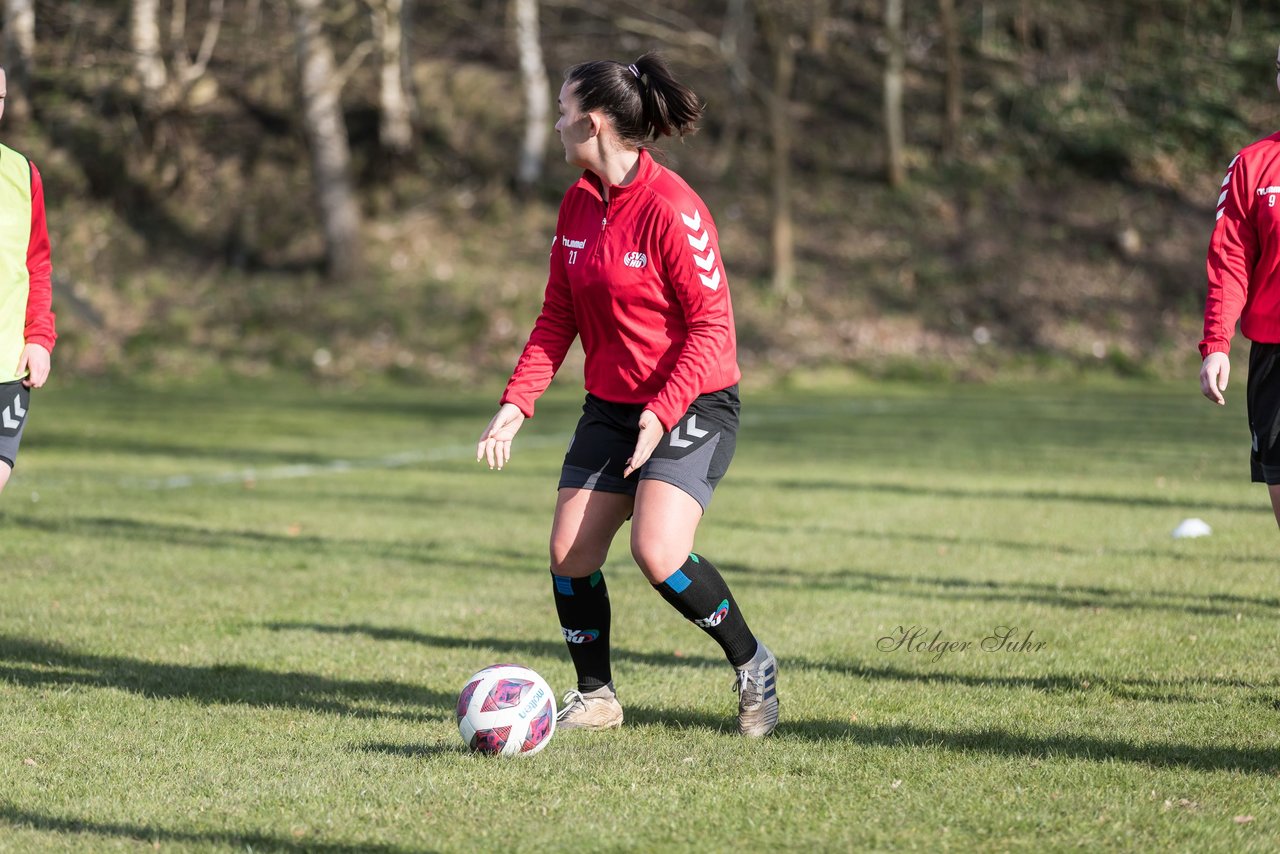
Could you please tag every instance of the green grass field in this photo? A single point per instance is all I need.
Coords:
(238, 620)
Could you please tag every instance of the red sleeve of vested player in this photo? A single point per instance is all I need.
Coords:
(552, 335)
(1233, 251)
(39, 327)
(691, 257)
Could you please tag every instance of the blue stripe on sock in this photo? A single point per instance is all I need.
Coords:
(564, 585)
(678, 581)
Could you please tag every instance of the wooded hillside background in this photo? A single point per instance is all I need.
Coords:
(356, 187)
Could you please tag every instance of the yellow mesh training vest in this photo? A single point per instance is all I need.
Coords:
(15, 281)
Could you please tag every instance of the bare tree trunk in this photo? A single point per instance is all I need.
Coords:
(327, 138)
(148, 62)
(895, 64)
(820, 13)
(406, 60)
(735, 48)
(186, 70)
(537, 93)
(1022, 26)
(19, 53)
(954, 82)
(395, 126)
(784, 72)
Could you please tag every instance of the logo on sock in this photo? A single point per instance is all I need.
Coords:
(580, 635)
(715, 618)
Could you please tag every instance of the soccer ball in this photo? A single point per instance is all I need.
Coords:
(506, 710)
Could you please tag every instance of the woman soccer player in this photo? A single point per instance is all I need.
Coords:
(636, 272)
(26, 323)
(1244, 285)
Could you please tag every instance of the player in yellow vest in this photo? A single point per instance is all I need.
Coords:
(26, 323)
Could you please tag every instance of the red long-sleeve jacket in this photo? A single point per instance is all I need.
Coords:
(39, 326)
(1244, 251)
(640, 279)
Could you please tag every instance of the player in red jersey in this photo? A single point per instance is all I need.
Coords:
(635, 272)
(26, 323)
(1244, 285)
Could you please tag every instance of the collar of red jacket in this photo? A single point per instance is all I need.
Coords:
(647, 170)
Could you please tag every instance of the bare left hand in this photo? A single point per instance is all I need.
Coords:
(35, 364)
(651, 433)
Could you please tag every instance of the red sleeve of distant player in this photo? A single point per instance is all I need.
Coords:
(552, 335)
(691, 255)
(1233, 252)
(39, 327)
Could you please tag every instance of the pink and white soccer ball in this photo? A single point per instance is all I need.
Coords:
(506, 710)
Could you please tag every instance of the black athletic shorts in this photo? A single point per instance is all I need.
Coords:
(694, 455)
(1264, 412)
(14, 400)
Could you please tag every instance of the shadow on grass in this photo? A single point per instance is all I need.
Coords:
(1033, 495)
(1037, 592)
(19, 818)
(209, 449)
(1185, 690)
(501, 646)
(37, 664)
(132, 532)
(413, 751)
(953, 541)
(1188, 689)
(989, 741)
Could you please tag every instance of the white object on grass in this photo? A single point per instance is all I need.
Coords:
(1192, 528)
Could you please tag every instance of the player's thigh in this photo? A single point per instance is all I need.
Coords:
(4, 474)
(663, 528)
(585, 523)
(1274, 489)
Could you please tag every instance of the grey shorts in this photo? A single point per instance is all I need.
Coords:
(694, 455)
(15, 398)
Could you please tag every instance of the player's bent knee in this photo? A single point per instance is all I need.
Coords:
(657, 560)
(574, 560)
(4, 474)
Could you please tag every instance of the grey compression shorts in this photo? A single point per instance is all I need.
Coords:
(694, 455)
(15, 398)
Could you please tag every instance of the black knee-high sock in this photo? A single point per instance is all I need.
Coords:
(698, 592)
(583, 607)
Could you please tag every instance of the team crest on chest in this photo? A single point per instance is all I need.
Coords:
(635, 259)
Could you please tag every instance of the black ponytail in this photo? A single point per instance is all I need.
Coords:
(642, 100)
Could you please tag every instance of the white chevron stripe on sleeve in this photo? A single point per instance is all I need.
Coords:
(712, 281)
(694, 222)
(699, 243)
(705, 263)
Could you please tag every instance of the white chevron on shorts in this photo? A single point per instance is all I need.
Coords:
(17, 406)
(691, 429)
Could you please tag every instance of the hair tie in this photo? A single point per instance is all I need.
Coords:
(634, 70)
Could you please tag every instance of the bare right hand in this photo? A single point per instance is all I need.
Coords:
(1214, 373)
(495, 441)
